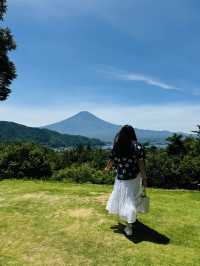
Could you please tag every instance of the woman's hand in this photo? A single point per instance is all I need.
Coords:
(108, 166)
(106, 169)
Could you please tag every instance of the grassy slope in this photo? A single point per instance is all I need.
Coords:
(43, 223)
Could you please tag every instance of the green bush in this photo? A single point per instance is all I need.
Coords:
(172, 171)
(80, 154)
(190, 170)
(24, 160)
(83, 173)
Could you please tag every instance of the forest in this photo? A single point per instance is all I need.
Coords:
(176, 166)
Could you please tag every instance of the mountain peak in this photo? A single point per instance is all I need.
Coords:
(84, 113)
(86, 116)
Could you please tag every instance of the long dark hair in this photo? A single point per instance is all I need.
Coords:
(123, 140)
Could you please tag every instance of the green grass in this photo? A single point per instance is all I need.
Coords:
(51, 223)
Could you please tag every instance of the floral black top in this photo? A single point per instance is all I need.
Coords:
(127, 167)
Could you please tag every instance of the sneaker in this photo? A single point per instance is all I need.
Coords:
(128, 230)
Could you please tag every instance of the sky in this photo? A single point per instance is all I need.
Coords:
(131, 61)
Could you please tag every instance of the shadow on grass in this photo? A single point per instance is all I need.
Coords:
(142, 232)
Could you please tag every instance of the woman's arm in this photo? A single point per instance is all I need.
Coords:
(141, 165)
(109, 165)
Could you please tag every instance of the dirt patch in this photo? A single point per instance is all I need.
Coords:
(34, 195)
(80, 212)
(74, 227)
(40, 196)
(44, 255)
(101, 221)
(102, 198)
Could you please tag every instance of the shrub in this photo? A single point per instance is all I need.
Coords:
(24, 160)
(190, 170)
(172, 171)
(83, 173)
(96, 157)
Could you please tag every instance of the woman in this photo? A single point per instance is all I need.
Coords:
(127, 158)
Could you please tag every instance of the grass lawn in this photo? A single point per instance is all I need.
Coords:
(52, 223)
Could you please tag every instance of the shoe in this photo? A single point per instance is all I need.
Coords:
(128, 230)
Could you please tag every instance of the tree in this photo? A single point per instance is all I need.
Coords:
(197, 132)
(7, 67)
(175, 145)
(25, 160)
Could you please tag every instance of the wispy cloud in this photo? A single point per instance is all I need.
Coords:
(148, 80)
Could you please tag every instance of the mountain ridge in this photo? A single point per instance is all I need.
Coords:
(89, 125)
(11, 131)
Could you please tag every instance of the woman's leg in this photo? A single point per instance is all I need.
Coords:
(129, 225)
(129, 229)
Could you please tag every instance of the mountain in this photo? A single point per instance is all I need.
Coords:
(10, 131)
(87, 124)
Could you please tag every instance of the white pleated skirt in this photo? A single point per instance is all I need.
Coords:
(123, 200)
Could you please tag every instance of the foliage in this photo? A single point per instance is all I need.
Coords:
(176, 145)
(177, 166)
(162, 170)
(197, 132)
(24, 160)
(190, 170)
(81, 154)
(84, 173)
(7, 67)
(3, 8)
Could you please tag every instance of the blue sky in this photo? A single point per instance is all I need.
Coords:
(131, 61)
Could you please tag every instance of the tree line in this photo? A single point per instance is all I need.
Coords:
(176, 166)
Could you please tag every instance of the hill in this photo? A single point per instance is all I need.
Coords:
(89, 125)
(10, 131)
(55, 223)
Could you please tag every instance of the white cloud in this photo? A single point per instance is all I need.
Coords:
(143, 78)
(150, 81)
(172, 117)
